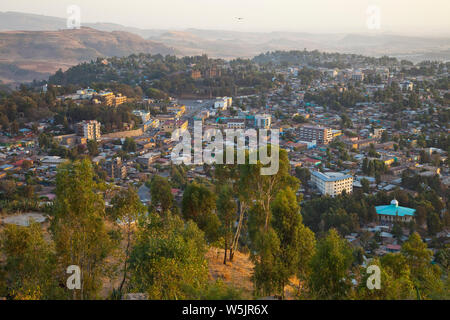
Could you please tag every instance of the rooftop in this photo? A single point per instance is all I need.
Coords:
(394, 209)
(330, 176)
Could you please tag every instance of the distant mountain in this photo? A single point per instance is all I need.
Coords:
(28, 55)
(33, 46)
(12, 21)
(247, 44)
(18, 21)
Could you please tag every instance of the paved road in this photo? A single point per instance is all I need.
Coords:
(195, 106)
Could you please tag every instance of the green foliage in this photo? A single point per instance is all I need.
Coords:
(161, 193)
(303, 174)
(199, 205)
(395, 283)
(426, 277)
(78, 225)
(30, 270)
(226, 210)
(129, 145)
(330, 277)
(126, 210)
(92, 146)
(160, 76)
(266, 275)
(168, 259)
(296, 241)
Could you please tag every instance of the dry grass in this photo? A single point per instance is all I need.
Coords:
(237, 273)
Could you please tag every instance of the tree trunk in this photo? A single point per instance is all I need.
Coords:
(267, 211)
(235, 242)
(126, 258)
(225, 255)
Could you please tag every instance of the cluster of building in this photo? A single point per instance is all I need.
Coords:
(314, 136)
(106, 98)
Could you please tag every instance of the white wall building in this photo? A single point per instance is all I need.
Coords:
(145, 116)
(332, 183)
(263, 121)
(89, 129)
(223, 103)
(407, 85)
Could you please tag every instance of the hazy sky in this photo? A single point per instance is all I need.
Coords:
(396, 16)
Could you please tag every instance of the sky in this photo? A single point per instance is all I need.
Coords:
(407, 17)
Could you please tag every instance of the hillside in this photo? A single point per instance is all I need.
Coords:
(28, 55)
(35, 46)
(234, 44)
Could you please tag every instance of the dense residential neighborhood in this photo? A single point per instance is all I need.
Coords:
(364, 159)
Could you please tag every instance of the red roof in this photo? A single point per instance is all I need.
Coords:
(18, 163)
(393, 247)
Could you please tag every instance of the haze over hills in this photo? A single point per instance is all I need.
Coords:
(44, 44)
(28, 55)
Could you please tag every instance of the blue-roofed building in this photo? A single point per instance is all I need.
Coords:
(393, 212)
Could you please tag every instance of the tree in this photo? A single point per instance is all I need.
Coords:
(126, 210)
(294, 237)
(226, 209)
(307, 250)
(397, 230)
(365, 185)
(434, 224)
(199, 205)
(303, 174)
(161, 193)
(168, 259)
(395, 284)
(331, 267)
(129, 145)
(267, 186)
(30, 266)
(44, 141)
(426, 277)
(92, 146)
(78, 226)
(266, 261)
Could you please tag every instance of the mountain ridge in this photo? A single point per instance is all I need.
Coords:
(32, 46)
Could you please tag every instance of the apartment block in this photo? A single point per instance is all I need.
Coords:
(90, 129)
(321, 135)
(332, 183)
(263, 121)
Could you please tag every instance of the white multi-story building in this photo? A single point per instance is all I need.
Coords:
(321, 135)
(332, 183)
(407, 85)
(263, 121)
(89, 129)
(223, 103)
(357, 75)
(145, 116)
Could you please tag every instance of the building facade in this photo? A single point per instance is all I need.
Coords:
(393, 212)
(321, 135)
(90, 129)
(332, 183)
(263, 121)
(116, 169)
